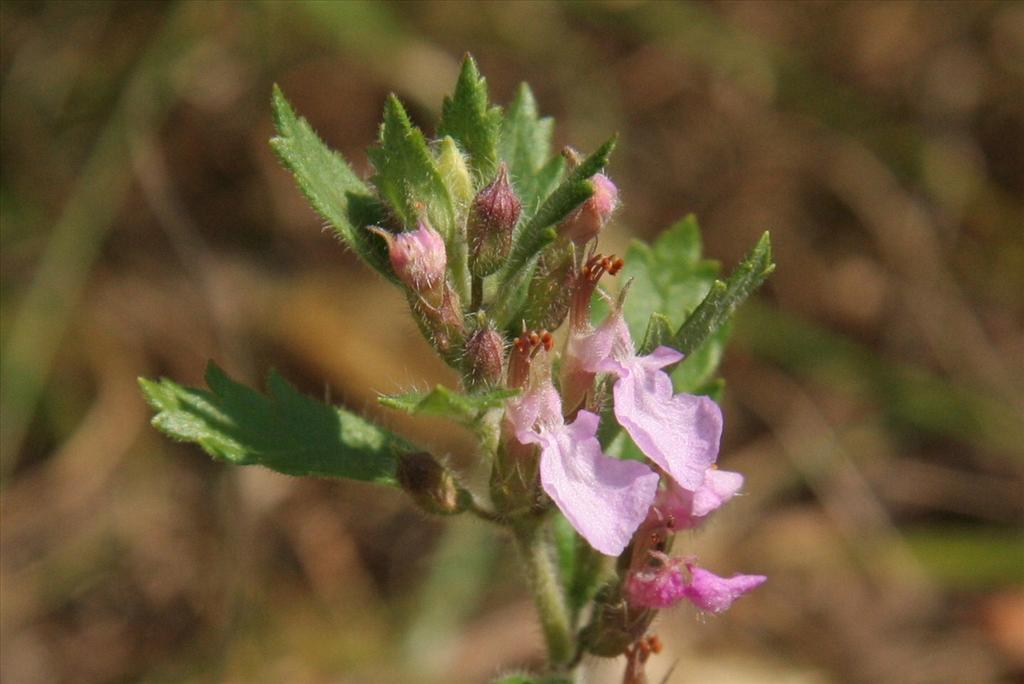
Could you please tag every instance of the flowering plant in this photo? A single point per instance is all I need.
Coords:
(599, 447)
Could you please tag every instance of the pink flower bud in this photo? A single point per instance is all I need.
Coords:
(417, 256)
(587, 220)
(492, 218)
(483, 358)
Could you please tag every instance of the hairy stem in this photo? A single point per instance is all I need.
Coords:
(537, 554)
(477, 293)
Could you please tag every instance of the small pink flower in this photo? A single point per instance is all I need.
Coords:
(679, 432)
(662, 586)
(715, 594)
(587, 220)
(689, 509)
(417, 256)
(604, 499)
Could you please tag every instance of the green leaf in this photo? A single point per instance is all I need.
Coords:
(407, 176)
(539, 231)
(697, 370)
(545, 181)
(442, 401)
(330, 185)
(284, 431)
(525, 146)
(658, 332)
(668, 278)
(475, 126)
(720, 303)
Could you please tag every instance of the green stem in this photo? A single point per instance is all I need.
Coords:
(477, 293)
(535, 549)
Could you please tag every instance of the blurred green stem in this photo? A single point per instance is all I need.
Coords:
(538, 558)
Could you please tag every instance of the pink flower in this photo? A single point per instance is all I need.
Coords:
(679, 432)
(586, 221)
(417, 256)
(664, 585)
(715, 594)
(689, 509)
(604, 499)
(661, 586)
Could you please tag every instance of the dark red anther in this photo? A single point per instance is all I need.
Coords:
(586, 281)
(612, 264)
(526, 347)
(654, 643)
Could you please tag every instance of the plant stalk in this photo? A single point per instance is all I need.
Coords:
(477, 293)
(542, 574)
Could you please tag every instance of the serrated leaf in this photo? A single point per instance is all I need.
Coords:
(475, 126)
(539, 231)
(330, 185)
(723, 298)
(668, 278)
(284, 430)
(406, 175)
(442, 401)
(526, 146)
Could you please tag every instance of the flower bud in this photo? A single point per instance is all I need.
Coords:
(439, 316)
(615, 624)
(452, 165)
(587, 220)
(492, 218)
(551, 288)
(417, 256)
(430, 484)
(483, 357)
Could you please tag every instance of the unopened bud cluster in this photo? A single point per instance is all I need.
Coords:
(492, 218)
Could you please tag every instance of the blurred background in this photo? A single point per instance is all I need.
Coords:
(875, 387)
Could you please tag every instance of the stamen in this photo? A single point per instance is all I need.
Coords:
(526, 347)
(586, 280)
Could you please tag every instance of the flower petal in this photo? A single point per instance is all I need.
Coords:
(659, 587)
(689, 509)
(661, 357)
(604, 498)
(719, 486)
(680, 433)
(715, 594)
(538, 406)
